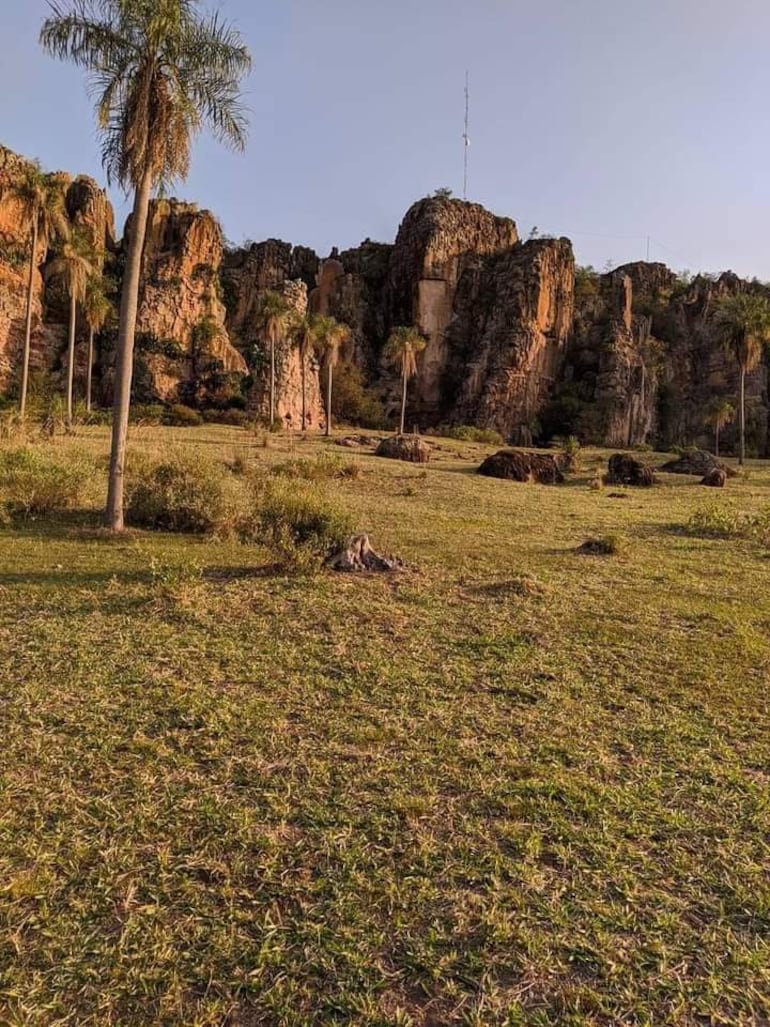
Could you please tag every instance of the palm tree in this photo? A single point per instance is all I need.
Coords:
(401, 351)
(329, 336)
(96, 308)
(743, 321)
(274, 314)
(303, 328)
(73, 267)
(43, 201)
(719, 413)
(159, 71)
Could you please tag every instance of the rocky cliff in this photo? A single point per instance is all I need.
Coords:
(89, 211)
(517, 338)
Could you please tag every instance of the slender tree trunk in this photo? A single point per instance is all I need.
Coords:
(272, 380)
(742, 457)
(403, 402)
(329, 374)
(716, 439)
(71, 358)
(28, 323)
(90, 369)
(124, 363)
(303, 371)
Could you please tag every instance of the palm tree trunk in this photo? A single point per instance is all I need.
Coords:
(403, 402)
(124, 363)
(90, 369)
(742, 457)
(71, 357)
(303, 375)
(28, 324)
(329, 401)
(272, 380)
(716, 439)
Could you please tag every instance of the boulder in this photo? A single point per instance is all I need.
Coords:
(404, 447)
(715, 479)
(627, 470)
(357, 555)
(517, 465)
(697, 462)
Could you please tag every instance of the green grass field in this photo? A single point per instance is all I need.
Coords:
(510, 785)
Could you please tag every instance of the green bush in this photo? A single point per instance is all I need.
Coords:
(469, 433)
(180, 416)
(321, 468)
(183, 492)
(234, 417)
(34, 482)
(352, 402)
(299, 524)
(719, 521)
(147, 413)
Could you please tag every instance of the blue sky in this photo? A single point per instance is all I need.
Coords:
(604, 121)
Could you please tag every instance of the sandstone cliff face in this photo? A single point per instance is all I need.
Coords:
(511, 320)
(183, 343)
(438, 239)
(88, 210)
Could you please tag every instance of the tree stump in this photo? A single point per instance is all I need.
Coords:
(357, 555)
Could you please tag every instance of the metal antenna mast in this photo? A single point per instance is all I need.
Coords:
(466, 137)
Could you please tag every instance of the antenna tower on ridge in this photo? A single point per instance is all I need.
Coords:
(466, 137)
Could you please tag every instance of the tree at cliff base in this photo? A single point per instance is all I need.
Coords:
(160, 72)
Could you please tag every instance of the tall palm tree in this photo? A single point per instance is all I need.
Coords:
(160, 72)
(743, 321)
(73, 267)
(719, 413)
(303, 330)
(329, 336)
(401, 351)
(275, 315)
(43, 201)
(96, 309)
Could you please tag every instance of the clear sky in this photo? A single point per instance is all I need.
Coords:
(597, 119)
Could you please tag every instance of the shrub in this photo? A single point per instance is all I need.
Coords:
(469, 433)
(34, 482)
(300, 525)
(719, 522)
(181, 493)
(322, 468)
(144, 413)
(570, 454)
(180, 416)
(353, 402)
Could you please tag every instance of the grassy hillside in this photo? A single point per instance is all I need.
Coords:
(510, 785)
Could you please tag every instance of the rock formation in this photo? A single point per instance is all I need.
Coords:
(518, 339)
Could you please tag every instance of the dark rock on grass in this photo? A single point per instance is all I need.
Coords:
(715, 479)
(357, 555)
(404, 447)
(697, 462)
(627, 470)
(516, 465)
(599, 546)
(357, 441)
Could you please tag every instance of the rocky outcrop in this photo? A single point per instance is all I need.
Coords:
(88, 210)
(518, 465)
(512, 318)
(182, 340)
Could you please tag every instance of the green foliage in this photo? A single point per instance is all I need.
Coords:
(353, 402)
(322, 468)
(182, 493)
(570, 454)
(180, 416)
(470, 433)
(36, 482)
(720, 520)
(297, 522)
(147, 413)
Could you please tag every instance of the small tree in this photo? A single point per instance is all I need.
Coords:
(719, 413)
(743, 322)
(43, 201)
(73, 267)
(275, 315)
(401, 351)
(330, 336)
(96, 310)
